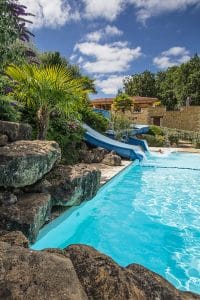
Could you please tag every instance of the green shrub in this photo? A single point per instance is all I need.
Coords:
(182, 134)
(173, 138)
(155, 130)
(69, 135)
(120, 122)
(95, 120)
(154, 141)
(197, 144)
(7, 111)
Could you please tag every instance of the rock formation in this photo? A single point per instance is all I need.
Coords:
(28, 214)
(95, 155)
(112, 159)
(25, 162)
(72, 185)
(31, 275)
(15, 131)
(78, 272)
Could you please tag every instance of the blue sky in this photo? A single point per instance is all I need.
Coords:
(110, 39)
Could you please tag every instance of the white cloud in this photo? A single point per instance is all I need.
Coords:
(110, 85)
(94, 36)
(172, 57)
(108, 9)
(73, 57)
(176, 51)
(108, 31)
(112, 31)
(107, 58)
(80, 60)
(50, 13)
(150, 8)
(53, 13)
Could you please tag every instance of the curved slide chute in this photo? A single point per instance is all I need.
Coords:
(125, 150)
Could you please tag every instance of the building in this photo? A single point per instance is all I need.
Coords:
(139, 103)
(145, 111)
(187, 118)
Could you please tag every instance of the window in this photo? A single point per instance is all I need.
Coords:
(156, 121)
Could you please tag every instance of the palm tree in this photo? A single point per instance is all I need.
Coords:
(46, 89)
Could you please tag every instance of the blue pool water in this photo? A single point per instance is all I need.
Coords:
(149, 214)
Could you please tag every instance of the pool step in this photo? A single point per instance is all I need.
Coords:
(185, 144)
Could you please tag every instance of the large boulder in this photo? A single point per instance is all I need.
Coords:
(23, 163)
(112, 159)
(30, 275)
(155, 286)
(95, 155)
(16, 238)
(78, 272)
(69, 185)
(102, 278)
(15, 131)
(3, 140)
(28, 214)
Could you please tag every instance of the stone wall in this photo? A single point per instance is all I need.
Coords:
(187, 118)
(139, 117)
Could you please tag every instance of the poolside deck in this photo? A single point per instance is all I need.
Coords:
(191, 150)
(108, 172)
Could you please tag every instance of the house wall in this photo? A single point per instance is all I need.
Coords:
(139, 117)
(188, 118)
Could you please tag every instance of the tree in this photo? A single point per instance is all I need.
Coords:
(54, 58)
(12, 27)
(122, 102)
(188, 81)
(46, 89)
(140, 85)
(167, 88)
(179, 82)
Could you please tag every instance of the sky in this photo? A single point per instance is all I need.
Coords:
(111, 39)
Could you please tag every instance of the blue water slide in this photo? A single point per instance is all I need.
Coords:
(129, 140)
(142, 143)
(103, 112)
(125, 150)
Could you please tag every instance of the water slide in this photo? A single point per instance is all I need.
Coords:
(125, 150)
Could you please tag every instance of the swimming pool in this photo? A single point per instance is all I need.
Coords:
(149, 214)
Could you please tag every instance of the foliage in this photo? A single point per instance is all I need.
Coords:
(12, 27)
(173, 138)
(120, 122)
(182, 134)
(140, 85)
(176, 84)
(166, 87)
(8, 112)
(172, 86)
(93, 119)
(154, 141)
(69, 135)
(122, 102)
(197, 144)
(155, 130)
(54, 58)
(46, 89)
(188, 81)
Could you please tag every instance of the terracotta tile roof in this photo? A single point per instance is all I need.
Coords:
(137, 99)
(103, 100)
